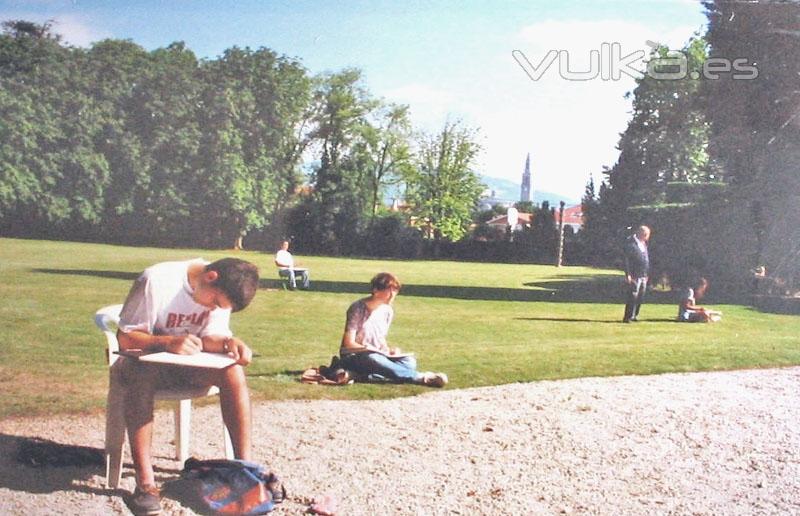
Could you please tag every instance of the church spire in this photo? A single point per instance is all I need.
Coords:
(525, 192)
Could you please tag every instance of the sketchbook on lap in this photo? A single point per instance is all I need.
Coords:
(202, 359)
(369, 350)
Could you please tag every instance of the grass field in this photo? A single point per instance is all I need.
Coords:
(483, 324)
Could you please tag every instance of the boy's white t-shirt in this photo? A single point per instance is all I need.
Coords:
(160, 303)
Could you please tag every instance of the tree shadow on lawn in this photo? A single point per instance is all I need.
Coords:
(570, 289)
(595, 289)
(603, 321)
(557, 289)
(130, 276)
(269, 284)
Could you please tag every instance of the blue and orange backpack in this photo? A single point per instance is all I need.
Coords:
(235, 486)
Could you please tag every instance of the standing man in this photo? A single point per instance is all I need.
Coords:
(637, 268)
(286, 269)
(184, 308)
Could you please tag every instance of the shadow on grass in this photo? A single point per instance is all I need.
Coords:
(600, 321)
(130, 276)
(595, 289)
(558, 289)
(565, 289)
(566, 319)
(286, 372)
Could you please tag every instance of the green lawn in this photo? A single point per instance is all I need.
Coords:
(483, 324)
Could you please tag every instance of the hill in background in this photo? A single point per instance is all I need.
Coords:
(504, 189)
(509, 190)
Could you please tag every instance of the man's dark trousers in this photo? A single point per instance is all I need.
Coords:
(637, 268)
(636, 291)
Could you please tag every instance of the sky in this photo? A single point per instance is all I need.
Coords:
(487, 64)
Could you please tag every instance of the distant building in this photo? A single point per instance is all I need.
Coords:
(525, 191)
(500, 223)
(573, 217)
(489, 200)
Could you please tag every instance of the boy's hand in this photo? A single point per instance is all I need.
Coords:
(185, 345)
(240, 352)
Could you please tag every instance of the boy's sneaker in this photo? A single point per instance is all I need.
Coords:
(434, 379)
(145, 501)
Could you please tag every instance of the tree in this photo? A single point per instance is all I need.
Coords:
(252, 104)
(666, 139)
(755, 131)
(51, 177)
(119, 143)
(664, 143)
(115, 72)
(340, 180)
(442, 187)
(544, 232)
(384, 148)
(525, 206)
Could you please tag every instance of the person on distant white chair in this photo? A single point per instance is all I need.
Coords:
(183, 307)
(287, 269)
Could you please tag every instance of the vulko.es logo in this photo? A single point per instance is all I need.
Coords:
(608, 64)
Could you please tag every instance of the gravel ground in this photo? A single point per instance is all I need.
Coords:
(701, 443)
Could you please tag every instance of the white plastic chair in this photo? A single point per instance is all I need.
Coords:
(106, 319)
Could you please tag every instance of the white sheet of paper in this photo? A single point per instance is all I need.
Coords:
(202, 359)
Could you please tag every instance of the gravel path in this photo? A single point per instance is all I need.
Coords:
(702, 443)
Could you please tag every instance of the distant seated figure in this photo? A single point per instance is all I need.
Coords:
(287, 269)
(364, 349)
(689, 311)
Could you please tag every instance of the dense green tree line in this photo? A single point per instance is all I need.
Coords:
(116, 143)
(711, 160)
(121, 144)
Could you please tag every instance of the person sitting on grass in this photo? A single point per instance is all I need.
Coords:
(183, 307)
(364, 350)
(688, 311)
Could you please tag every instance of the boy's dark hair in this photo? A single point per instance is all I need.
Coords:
(385, 281)
(237, 279)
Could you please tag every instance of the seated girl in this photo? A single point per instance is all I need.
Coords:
(364, 350)
(688, 311)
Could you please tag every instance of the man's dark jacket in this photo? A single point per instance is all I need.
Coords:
(637, 262)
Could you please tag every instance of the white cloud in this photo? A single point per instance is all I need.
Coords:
(74, 30)
(419, 93)
(429, 105)
(586, 35)
(78, 31)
